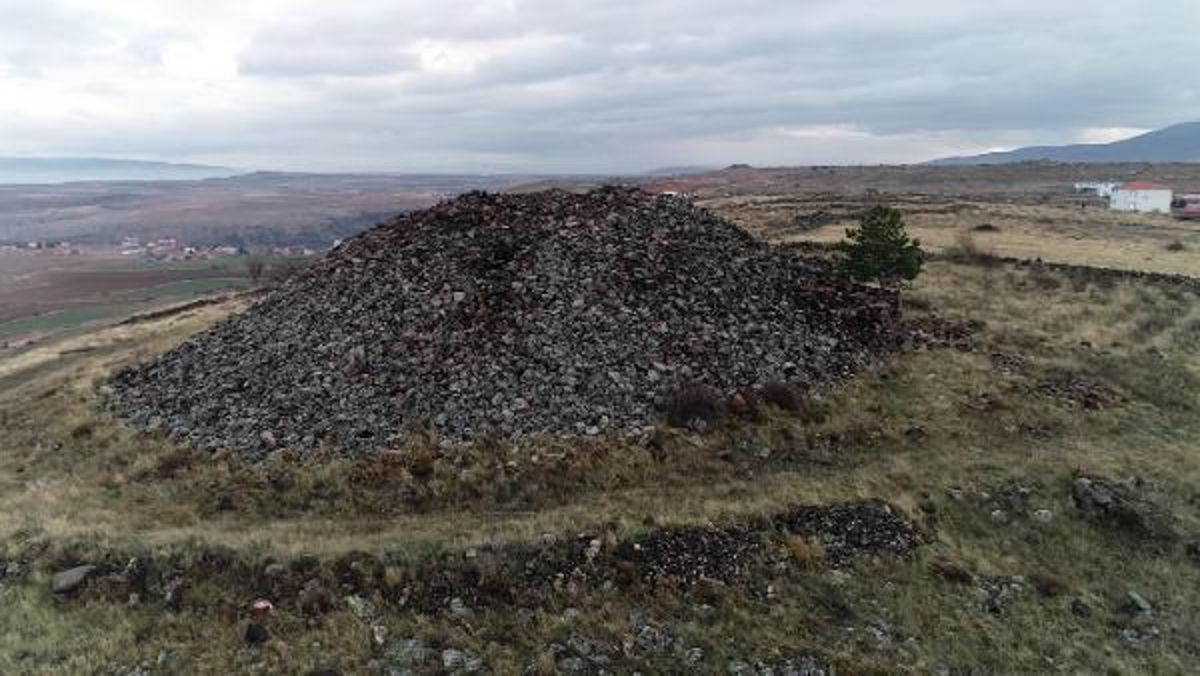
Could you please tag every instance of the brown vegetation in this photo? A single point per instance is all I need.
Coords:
(981, 441)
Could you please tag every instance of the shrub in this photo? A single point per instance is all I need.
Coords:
(880, 250)
(1176, 245)
(951, 570)
(421, 461)
(807, 552)
(83, 430)
(745, 404)
(782, 396)
(692, 403)
(970, 252)
(255, 267)
(1045, 280)
(1048, 584)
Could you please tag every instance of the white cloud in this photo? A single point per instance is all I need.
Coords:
(1108, 134)
(583, 84)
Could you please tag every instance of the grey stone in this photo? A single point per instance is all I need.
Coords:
(1121, 505)
(653, 639)
(571, 665)
(1138, 603)
(361, 607)
(408, 652)
(69, 580)
(432, 317)
(455, 660)
(170, 661)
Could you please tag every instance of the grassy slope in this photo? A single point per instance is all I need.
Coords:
(948, 435)
(1057, 233)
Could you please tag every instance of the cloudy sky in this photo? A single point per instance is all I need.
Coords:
(584, 85)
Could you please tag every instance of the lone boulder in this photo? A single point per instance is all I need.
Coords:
(69, 580)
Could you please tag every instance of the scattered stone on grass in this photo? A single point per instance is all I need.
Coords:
(408, 652)
(1081, 391)
(460, 661)
(687, 555)
(1122, 505)
(852, 528)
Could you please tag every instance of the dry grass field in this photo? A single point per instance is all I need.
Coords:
(541, 558)
(1057, 232)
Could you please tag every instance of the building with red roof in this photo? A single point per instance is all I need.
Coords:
(1143, 197)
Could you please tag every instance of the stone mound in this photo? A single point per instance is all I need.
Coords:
(548, 314)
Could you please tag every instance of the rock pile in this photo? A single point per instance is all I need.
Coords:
(515, 315)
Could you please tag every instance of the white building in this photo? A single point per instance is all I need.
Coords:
(1141, 196)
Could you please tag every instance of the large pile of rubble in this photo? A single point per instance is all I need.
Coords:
(513, 315)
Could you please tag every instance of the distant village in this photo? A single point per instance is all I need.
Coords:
(1143, 197)
(164, 249)
(171, 249)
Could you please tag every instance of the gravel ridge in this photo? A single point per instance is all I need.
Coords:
(547, 314)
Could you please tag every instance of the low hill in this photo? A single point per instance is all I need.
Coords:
(30, 170)
(1178, 143)
(260, 209)
(547, 314)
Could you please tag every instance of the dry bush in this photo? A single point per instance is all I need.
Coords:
(172, 464)
(694, 402)
(807, 552)
(783, 396)
(83, 430)
(1044, 280)
(255, 267)
(1176, 245)
(950, 570)
(745, 404)
(985, 227)
(970, 252)
(378, 470)
(421, 461)
(1049, 585)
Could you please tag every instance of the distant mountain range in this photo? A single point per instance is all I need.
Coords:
(1178, 143)
(69, 169)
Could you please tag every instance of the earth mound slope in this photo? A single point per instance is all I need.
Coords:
(548, 314)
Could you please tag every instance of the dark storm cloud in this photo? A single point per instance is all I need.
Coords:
(579, 85)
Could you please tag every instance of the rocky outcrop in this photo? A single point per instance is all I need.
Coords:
(1122, 506)
(513, 315)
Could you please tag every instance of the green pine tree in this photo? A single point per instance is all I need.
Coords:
(880, 250)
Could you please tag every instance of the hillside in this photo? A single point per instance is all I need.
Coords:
(264, 208)
(948, 512)
(1177, 143)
